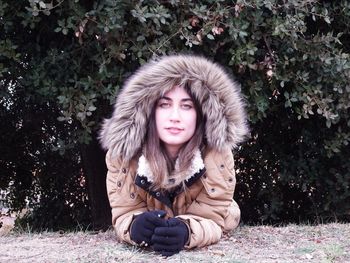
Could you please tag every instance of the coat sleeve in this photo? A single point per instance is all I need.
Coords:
(123, 198)
(213, 210)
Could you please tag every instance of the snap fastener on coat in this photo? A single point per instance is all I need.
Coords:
(171, 181)
(142, 181)
(222, 166)
(132, 195)
(230, 179)
(157, 194)
(123, 170)
(119, 184)
(212, 190)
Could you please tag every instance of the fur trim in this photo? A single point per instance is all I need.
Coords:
(197, 164)
(216, 92)
(143, 169)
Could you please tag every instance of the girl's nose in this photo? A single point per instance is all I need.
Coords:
(174, 114)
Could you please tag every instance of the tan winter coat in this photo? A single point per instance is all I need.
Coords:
(206, 204)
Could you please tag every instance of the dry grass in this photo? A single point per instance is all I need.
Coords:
(322, 243)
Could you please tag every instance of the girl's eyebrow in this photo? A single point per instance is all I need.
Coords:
(164, 98)
(167, 98)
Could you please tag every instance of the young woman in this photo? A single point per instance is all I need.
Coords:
(171, 176)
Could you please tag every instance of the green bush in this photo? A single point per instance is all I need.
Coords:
(291, 58)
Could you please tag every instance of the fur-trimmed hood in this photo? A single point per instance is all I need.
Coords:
(219, 96)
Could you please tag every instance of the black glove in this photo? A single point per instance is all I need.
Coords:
(169, 240)
(144, 224)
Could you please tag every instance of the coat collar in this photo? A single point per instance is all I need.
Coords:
(197, 165)
(144, 178)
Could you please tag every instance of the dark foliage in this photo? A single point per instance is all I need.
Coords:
(62, 63)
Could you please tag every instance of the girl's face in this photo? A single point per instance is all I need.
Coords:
(176, 117)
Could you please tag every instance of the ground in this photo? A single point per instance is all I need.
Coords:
(292, 243)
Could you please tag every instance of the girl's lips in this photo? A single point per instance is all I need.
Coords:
(174, 130)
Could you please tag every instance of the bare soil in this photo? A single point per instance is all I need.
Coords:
(293, 243)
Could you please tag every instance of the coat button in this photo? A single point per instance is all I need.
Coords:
(119, 183)
(132, 196)
(142, 181)
(123, 170)
(204, 176)
(157, 194)
(230, 179)
(222, 167)
(212, 190)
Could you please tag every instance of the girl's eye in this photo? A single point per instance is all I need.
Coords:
(187, 106)
(164, 105)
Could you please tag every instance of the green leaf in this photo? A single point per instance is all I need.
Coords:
(92, 108)
(42, 4)
(210, 36)
(140, 38)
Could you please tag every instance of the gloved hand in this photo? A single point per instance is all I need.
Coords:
(169, 240)
(144, 224)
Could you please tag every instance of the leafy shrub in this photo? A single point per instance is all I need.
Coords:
(291, 57)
